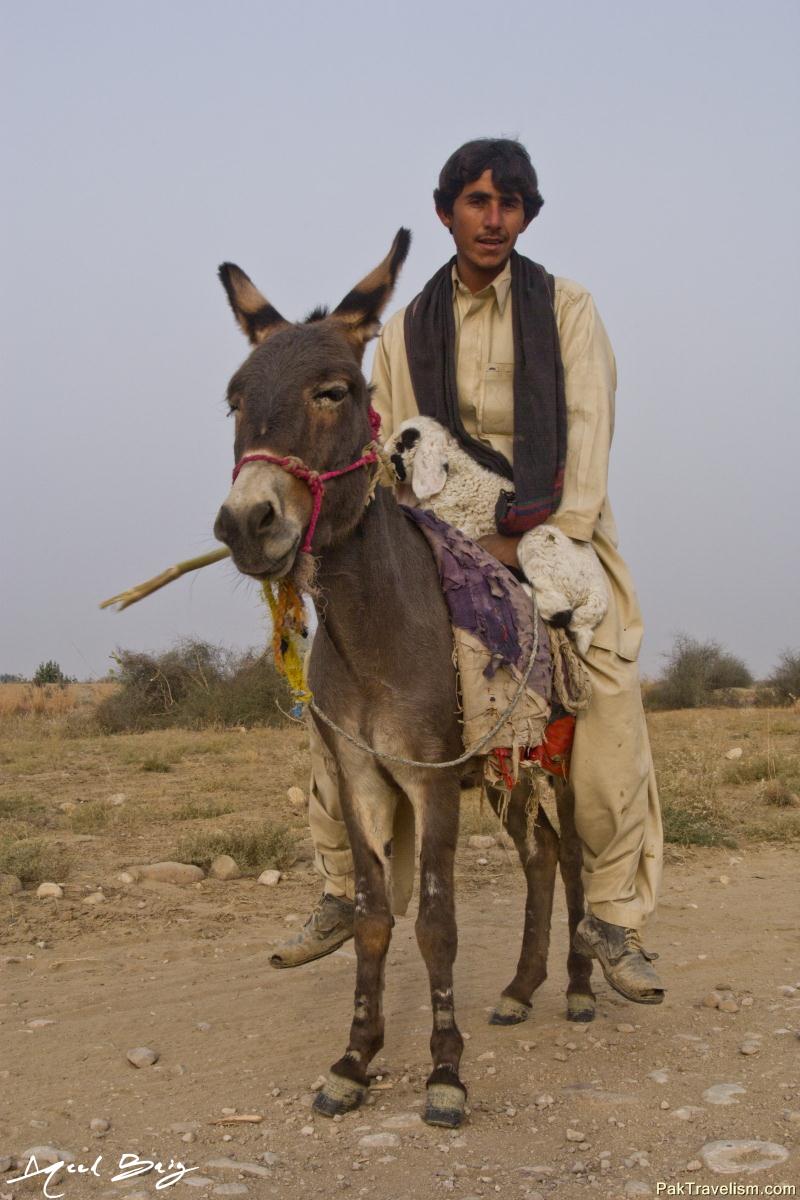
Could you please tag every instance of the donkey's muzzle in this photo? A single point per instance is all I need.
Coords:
(262, 544)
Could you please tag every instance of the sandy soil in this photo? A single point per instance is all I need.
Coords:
(185, 972)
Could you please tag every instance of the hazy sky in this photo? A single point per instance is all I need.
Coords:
(148, 142)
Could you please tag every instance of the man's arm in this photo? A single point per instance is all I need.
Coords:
(590, 379)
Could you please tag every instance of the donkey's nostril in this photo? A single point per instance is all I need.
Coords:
(260, 518)
(224, 526)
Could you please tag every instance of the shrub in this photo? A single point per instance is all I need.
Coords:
(50, 672)
(194, 685)
(33, 860)
(254, 849)
(695, 671)
(784, 682)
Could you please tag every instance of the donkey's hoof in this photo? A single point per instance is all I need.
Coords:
(580, 1007)
(509, 1011)
(338, 1095)
(445, 1105)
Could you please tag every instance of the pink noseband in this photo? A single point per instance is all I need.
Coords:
(315, 480)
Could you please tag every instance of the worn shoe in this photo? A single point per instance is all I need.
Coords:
(623, 958)
(330, 924)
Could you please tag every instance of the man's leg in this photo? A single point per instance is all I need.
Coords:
(618, 820)
(331, 922)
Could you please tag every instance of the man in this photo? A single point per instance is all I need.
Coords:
(520, 368)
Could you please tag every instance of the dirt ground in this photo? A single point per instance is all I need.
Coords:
(612, 1109)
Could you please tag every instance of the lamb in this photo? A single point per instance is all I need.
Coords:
(567, 579)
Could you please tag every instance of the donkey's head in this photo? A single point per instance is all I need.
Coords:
(299, 395)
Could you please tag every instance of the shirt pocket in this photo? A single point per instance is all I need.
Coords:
(497, 410)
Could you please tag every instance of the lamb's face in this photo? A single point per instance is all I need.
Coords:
(420, 453)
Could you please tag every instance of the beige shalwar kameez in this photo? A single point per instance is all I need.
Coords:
(616, 802)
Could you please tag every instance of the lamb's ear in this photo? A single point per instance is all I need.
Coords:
(359, 313)
(429, 469)
(256, 316)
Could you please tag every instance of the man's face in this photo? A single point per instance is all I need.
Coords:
(485, 224)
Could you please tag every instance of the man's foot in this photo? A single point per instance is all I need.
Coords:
(625, 962)
(330, 924)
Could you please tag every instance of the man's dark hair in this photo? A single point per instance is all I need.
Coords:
(511, 167)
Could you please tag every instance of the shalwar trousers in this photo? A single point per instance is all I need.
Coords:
(617, 813)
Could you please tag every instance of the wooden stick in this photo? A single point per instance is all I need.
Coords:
(132, 595)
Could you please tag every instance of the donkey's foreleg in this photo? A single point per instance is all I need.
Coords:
(347, 1082)
(580, 997)
(537, 847)
(437, 938)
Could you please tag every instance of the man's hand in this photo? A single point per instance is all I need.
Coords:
(502, 547)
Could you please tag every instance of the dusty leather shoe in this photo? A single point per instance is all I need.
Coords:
(330, 924)
(625, 962)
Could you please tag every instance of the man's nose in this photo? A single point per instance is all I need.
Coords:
(492, 214)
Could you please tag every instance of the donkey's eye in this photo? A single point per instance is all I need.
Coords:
(335, 393)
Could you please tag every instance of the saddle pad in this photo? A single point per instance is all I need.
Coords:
(493, 628)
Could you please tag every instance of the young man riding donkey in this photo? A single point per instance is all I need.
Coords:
(518, 366)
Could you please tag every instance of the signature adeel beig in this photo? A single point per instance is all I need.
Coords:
(128, 1167)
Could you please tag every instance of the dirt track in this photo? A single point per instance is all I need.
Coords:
(184, 971)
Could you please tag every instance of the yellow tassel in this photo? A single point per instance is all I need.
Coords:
(288, 622)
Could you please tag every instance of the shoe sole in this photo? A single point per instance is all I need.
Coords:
(279, 965)
(584, 947)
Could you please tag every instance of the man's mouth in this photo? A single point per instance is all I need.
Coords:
(489, 241)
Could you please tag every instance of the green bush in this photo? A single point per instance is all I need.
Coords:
(50, 672)
(194, 685)
(254, 848)
(696, 674)
(784, 682)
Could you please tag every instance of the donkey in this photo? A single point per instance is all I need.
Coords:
(380, 666)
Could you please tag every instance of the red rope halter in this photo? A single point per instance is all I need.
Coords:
(315, 480)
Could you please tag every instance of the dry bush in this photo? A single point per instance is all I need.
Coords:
(778, 793)
(254, 848)
(51, 700)
(195, 685)
(32, 860)
(784, 682)
(698, 674)
(690, 805)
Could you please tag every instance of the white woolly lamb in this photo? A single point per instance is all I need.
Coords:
(566, 576)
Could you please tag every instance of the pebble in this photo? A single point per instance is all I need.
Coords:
(406, 1120)
(544, 1100)
(723, 1093)
(270, 878)
(117, 799)
(40, 1023)
(171, 872)
(482, 862)
(142, 1056)
(688, 1112)
(224, 867)
(712, 1000)
(624, 1027)
(379, 1141)
(481, 841)
(296, 797)
(244, 1168)
(307, 1130)
(749, 1155)
(659, 1076)
(128, 877)
(750, 1047)
(728, 1004)
(694, 1165)
(734, 753)
(197, 1180)
(788, 991)
(94, 898)
(44, 1155)
(791, 1114)
(50, 889)
(99, 1125)
(573, 1135)
(9, 885)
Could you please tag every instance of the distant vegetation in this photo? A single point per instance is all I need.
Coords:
(193, 686)
(50, 672)
(697, 674)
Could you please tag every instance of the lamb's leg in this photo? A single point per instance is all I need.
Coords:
(580, 997)
(437, 938)
(347, 1082)
(537, 847)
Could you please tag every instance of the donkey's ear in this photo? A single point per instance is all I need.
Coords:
(256, 316)
(359, 313)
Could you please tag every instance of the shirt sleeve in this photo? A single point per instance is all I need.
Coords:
(590, 379)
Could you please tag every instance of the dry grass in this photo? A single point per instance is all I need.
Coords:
(25, 700)
(56, 790)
